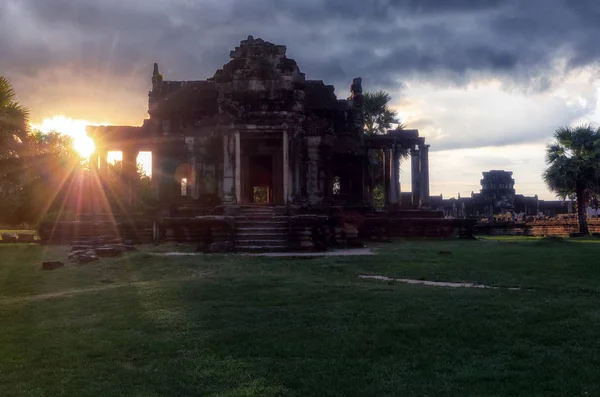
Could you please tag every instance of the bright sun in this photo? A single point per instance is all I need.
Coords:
(83, 144)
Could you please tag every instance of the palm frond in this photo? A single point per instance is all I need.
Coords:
(378, 115)
(573, 161)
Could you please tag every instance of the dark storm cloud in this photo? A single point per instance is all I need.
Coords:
(384, 41)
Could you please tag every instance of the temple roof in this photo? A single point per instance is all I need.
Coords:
(192, 99)
(320, 96)
(258, 59)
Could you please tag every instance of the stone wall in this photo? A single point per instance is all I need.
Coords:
(536, 228)
(417, 227)
(203, 229)
(67, 232)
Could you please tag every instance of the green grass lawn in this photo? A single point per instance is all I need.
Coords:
(227, 325)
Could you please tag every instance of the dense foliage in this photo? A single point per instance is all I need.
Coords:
(41, 176)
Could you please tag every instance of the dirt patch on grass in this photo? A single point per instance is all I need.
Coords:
(436, 283)
(107, 285)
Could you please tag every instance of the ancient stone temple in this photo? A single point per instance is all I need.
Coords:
(259, 132)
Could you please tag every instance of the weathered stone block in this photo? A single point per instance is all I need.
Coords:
(221, 246)
(26, 238)
(9, 238)
(52, 265)
(109, 251)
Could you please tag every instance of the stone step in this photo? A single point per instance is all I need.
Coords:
(261, 248)
(255, 242)
(261, 237)
(261, 217)
(259, 229)
(260, 223)
(262, 229)
(277, 231)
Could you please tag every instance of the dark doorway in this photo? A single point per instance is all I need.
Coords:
(261, 179)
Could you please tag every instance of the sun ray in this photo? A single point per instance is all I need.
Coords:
(76, 129)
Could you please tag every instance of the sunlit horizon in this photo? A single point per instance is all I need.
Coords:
(82, 143)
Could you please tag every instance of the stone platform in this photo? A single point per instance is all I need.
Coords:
(258, 229)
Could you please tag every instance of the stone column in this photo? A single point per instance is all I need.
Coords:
(424, 177)
(93, 187)
(157, 172)
(102, 175)
(395, 197)
(228, 169)
(191, 144)
(129, 169)
(103, 164)
(238, 169)
(387, 176)
(312, 171)
(297, 167)
(94, 159)
(286, 167)
(415, 175)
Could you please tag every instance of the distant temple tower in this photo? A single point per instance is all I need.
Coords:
(498, 191)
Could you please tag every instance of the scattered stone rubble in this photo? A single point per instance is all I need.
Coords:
(51, 265)
(9, 237)
(93, 249)
(17, 238)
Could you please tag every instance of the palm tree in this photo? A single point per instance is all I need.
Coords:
(13, 121)
(379, 117)
(13, 147)
(574, 167)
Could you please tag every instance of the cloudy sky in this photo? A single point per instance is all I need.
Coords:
(486, 81)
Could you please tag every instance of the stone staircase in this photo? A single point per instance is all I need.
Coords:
(258, 229)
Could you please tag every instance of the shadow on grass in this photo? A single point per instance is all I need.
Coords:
(226, 325)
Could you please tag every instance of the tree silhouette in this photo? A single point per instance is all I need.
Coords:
(574, 167)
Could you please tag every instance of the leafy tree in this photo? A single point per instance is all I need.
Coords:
(47, 178)
(574, 166)
(115, 190)
(145, 194)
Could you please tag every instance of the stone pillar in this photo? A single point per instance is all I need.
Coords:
(415, 176)
(367, 180)
(387, 176)
(424, 177)
(103, 164)
(129, 169)
(102, 176)
(238, 169)
(312, 170)
(192, 144)
(94, 160)
(157, 172)
(229, 169)
(297, 167)
(286, 167)
(395, 196)
(93, 187)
